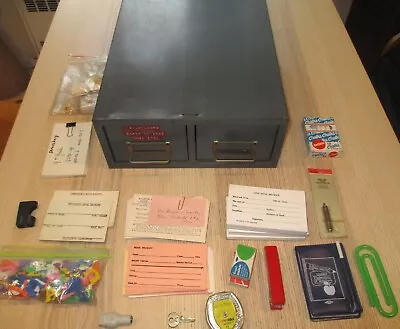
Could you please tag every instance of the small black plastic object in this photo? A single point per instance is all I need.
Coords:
(24, 216)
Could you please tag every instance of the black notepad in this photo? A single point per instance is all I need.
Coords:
(327, 281)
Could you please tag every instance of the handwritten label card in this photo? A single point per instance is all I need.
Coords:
(167, 217)
(68, 149)
(178, 211)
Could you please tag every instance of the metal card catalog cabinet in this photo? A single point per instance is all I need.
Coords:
(192, 83)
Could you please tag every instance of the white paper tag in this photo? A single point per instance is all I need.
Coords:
(68, 149)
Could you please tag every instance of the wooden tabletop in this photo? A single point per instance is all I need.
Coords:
(321, 74)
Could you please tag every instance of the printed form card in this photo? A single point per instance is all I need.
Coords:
(76, 220)
(266, 209)
(167, 217)
(154, 267)
(68, 149)
(110, 196)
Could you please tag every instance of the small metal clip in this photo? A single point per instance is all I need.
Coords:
(181, 203)
(70, 128)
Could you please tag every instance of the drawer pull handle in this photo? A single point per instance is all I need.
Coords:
(132, 152)
(216, 151)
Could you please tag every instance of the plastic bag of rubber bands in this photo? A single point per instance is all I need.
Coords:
(51, 275)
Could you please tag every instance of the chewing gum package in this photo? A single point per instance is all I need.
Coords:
(322, 137)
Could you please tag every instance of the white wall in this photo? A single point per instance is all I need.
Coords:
(14, 33)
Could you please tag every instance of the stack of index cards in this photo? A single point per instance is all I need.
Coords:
(81, 216)
(265, 213)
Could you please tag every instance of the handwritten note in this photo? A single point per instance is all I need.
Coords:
(178, 211)
(154, 267)
(68, 149)
(173, 220)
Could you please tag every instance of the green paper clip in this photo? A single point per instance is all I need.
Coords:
(362, 253)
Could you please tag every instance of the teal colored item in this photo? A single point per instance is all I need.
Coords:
(362, 254)
(243, 262)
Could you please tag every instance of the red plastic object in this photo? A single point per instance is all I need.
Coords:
(320, 170)
(276, 291)
(240, 282)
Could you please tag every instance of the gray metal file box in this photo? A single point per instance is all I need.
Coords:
(192, 83)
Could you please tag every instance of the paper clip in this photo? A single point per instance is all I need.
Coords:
(70, 128)
(362, 254)
(181, 203)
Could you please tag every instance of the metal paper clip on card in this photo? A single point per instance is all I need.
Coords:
(70, 128)
(362, 254)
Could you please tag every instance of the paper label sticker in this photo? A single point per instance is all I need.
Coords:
(225, 314)
(144, 132)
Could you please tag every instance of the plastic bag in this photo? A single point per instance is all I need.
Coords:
(80, 85)
(52, 275)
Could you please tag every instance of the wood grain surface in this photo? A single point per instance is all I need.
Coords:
(322, 75)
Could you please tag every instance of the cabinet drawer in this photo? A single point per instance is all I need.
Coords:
(239, 143)
(142, 144)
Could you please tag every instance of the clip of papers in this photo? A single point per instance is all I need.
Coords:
(79, 216)
(167, 217)
(68, 148)
(265, 213)
(154, 268)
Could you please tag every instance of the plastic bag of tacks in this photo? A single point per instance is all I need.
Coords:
(80, 85)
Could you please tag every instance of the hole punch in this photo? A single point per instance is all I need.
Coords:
(24, 216)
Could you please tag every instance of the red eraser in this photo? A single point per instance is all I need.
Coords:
(276, 291)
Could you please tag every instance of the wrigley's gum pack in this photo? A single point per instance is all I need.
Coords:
(322, 137)
(242, 265)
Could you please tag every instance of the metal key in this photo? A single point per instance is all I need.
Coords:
(174, 319)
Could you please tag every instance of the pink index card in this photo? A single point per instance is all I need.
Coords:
(178, 211)
(157, 267)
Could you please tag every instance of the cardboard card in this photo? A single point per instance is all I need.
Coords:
(178, 211)
(111, 196)
(67, 150)
(155, 267)
(73, 233)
